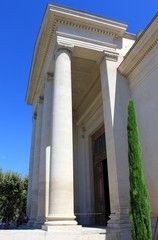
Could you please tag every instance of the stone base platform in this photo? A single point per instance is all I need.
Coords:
(69, 233)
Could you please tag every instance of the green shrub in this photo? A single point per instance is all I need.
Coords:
(13, 194)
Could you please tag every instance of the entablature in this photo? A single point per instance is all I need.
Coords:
(84, 42)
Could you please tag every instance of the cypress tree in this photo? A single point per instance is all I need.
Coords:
(139, 211)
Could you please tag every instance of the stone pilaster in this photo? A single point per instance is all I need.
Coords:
(44, 164)
(115, 130)
(61, 199)
(36, 160)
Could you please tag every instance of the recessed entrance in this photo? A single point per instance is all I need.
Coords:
(101, 185)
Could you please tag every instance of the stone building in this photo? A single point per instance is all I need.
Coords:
(84, 70)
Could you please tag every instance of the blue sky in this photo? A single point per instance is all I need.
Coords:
(19, 25)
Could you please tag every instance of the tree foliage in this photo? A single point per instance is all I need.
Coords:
(13, 193)
(139, 206)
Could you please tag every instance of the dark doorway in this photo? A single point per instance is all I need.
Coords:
(101, 184)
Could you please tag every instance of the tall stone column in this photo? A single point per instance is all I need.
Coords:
(61, 196)
(29, 192)
(44, 158)
(115, 130)
(36, 160)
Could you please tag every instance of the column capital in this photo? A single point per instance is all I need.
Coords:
(50, 76)
(111, 56)
(40, 100)
(83, 130)
(63, 47)
(34, 116)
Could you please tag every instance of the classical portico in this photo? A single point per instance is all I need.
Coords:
(75, 176)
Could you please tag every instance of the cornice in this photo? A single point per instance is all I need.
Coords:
(41, 50)
(88, 28)
(54, 16)
(86, 19)
(145, 69)
(146, 42)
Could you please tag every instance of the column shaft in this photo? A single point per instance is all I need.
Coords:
(44, 160)
(108, 111)
(35, 173)
(29, 192)
(115, 129)
(61, 199)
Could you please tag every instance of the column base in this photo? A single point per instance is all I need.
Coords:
(31, 222)
(49, 224)
(62, 227)
(39, 222)
(60, 220)
(118, 220)
(119, 227)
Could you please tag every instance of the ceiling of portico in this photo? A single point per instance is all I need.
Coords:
(85, 83)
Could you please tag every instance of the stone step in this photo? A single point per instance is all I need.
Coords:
(83, 233)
